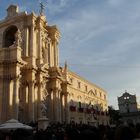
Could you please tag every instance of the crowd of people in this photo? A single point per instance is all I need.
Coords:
(76, 132)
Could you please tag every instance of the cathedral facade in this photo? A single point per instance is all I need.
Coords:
(128, 108)
(33, 85)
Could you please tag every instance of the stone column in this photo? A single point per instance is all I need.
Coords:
(67, 100)
(53, 97)
(25, 101)
(32, 40)
(5, 97)
(15, 98)
(31, 101)
(66, 109)
(55, 54)
(50, 54)
(56, 59)
(26, 50)
(50, 115)
(36, 102)
(62, 107)
(40, 45)
(11, 90)
(1, 97)
(39, 99)
(57, 105)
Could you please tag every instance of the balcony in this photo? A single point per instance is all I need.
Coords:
(10, 54)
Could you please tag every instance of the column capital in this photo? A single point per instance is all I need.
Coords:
(56, 89)
(65, 93)
(16, 78)
(31, 82)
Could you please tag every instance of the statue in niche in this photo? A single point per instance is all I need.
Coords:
(45, 52)
(44, 37)
(18, 38)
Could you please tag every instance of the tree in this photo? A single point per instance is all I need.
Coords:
(114, 115)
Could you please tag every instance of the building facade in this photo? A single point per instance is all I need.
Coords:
(87, 102)
(128, 108)
(32, 84)
(127, 103)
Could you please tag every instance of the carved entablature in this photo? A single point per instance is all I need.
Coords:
(44, 68)
(40, 22)
(53, 33)
(44, 35)
(11, 77)
(31, 82)
(91, 93)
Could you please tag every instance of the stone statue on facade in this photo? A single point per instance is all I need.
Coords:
(18, 38)
(44, 103)
(43, 122)
(43, 109)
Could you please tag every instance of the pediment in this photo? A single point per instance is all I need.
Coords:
(91, 92)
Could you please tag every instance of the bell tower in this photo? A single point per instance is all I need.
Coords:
(11, 63)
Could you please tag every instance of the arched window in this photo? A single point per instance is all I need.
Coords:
(9, 36)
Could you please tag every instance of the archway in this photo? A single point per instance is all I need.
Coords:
(9, 36)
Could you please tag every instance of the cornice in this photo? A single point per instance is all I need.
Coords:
(86, 94)
(12, 20)
(84, 80)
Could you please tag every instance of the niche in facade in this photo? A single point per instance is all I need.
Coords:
(9, 36)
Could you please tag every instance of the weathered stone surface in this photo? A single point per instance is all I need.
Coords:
(30, 75)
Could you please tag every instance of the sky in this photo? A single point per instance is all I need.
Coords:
(100, 40)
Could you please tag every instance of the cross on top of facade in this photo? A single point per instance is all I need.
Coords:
(42, 7)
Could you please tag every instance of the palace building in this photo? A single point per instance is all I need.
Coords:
(33, 85)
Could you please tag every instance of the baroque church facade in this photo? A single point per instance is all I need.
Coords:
(33, 85)
(129, 108)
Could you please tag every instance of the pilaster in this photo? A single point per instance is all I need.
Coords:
(15, 104)
(26, 50)
(40, 37)
(1, 97)
(32, 37)
(40, 99)
(31, 100)
(66, 109)
(56, 105)
(54, 35)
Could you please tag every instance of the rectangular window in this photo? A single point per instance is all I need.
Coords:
(71, 80)
(95, 92)
(100, 94)
(85, 88)
(79, 85)
(104, 96)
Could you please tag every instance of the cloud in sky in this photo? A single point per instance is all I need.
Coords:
(102, 44)
(100, 40)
